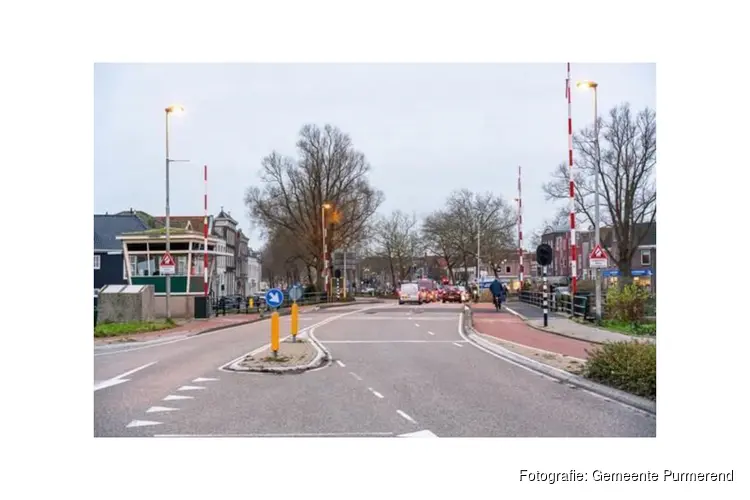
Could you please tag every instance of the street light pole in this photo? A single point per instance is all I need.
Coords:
(167, 111)
(479, 232)
(597, 221)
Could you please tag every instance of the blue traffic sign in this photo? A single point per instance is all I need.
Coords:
(274, 297)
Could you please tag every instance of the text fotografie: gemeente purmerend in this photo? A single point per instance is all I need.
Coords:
(624, 477)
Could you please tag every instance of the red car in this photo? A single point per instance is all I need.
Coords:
(452, 294)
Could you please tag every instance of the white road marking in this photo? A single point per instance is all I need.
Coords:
(457, 344)
(355, 375)
(174, 397)
(155, 409)
(419, 434)
(190, 388)
(300, 334)
(342, 365)
(119, 379)
(375, 392)
(142, 423)
(318, 434)
(204, 379)
(416, 324)
(407, 417)
(421, 341)
(430, 333)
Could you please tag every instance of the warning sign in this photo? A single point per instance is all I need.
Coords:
(166, 264)
(598, 257)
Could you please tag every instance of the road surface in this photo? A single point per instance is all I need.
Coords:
(396, 371)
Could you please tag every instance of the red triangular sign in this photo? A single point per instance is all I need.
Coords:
(597, 253)
(167, 260)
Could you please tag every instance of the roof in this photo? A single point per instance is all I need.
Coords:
(108, 227)
(225, 215)
(182, 221)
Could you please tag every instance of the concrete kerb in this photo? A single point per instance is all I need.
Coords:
(643, 404)
(321, 358)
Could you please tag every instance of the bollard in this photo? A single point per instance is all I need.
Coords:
(250, 305)
(295, 321)
(275, 333)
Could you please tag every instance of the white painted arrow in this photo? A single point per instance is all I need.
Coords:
(119, 379)
(204, 379)
(173, 397)
(190, 388)
(154, 409)
(142, 423)
(419, 434)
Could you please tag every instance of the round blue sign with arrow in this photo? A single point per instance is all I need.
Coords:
(274, 297)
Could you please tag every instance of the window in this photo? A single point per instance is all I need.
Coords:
(97, 261)
(507, 269)
(645, 257)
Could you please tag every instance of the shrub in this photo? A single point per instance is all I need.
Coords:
(627, 304)
(629, 366)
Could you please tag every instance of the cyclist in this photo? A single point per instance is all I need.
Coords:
(498, 293)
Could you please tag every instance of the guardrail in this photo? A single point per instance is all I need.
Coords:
(579, 306)
(253, 305)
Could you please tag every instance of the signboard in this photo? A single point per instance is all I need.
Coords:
(166, 264)
(274, 297)
(295, 293)
(598, 258)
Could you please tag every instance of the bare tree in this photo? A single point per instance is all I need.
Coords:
(440, 232)
(559, 220)
(486, 214)
(282, 258)
(329, 170)
(626, 163)
(397, 239)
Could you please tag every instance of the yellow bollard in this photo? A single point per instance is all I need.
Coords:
(275, 333)
(251, 303)
(295, 321)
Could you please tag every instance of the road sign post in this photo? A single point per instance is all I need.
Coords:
(275, 333)
(598, 260)
(295, 321)
(544, 258)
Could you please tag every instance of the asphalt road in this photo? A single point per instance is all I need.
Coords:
(397, 370)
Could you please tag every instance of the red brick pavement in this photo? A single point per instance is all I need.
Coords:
(506, 326)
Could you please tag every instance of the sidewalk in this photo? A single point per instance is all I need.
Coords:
(559, 325)
(508, 327)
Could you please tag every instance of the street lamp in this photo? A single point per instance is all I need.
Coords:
(173, 109)
(588, 84)
(323, 208)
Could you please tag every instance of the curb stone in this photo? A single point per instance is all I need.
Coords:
(321, 357)
(643, 404)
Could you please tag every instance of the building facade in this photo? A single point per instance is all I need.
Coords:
(108, 256)
(225, 228)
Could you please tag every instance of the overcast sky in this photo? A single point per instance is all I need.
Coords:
(426, 129)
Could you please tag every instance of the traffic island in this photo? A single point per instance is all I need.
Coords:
(292, 357)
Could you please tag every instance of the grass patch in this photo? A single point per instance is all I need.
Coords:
(647, 328)
(114, 329)
(628, 366)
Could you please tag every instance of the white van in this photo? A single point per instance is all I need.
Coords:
(409, 292)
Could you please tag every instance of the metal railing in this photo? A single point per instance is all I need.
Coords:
(578, 306)
(257, 305)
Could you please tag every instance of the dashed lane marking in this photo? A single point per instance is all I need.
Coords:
(155, 409)
(175, 397)
(407, 417)
(355, 375)
(190, 388)
(342, 365)
(377, 394)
